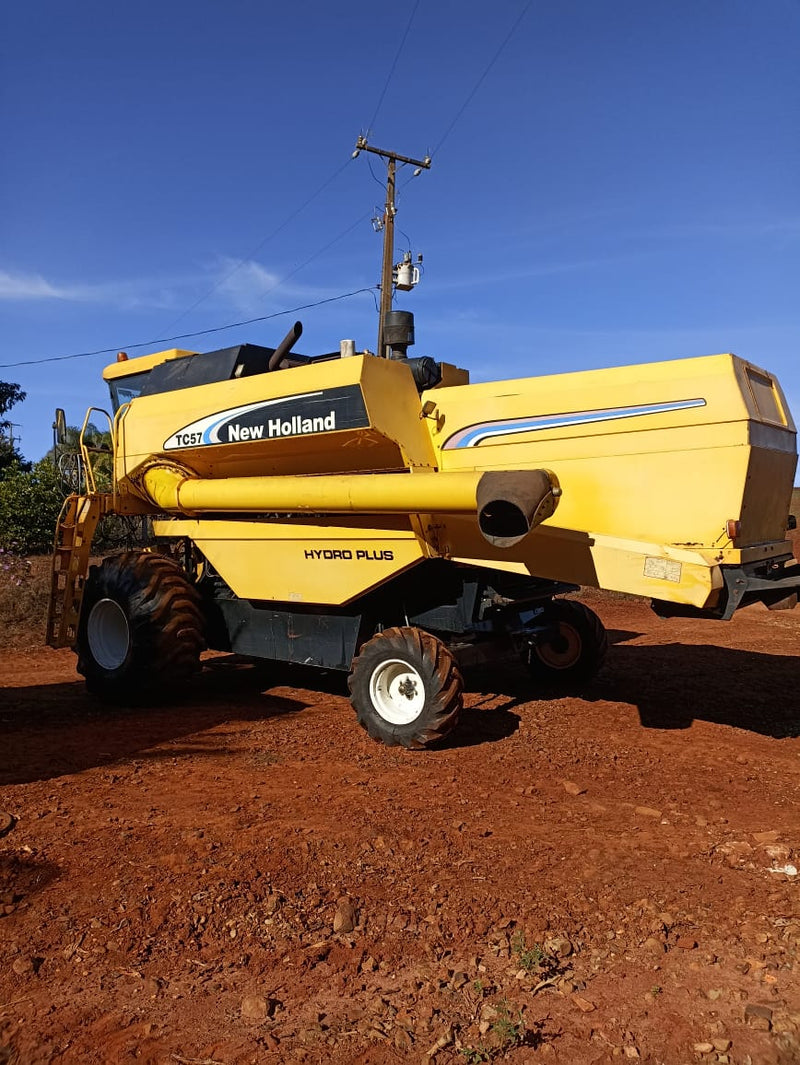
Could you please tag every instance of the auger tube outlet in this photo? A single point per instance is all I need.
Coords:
(513, 502)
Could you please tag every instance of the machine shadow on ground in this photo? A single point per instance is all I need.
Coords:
(673, 685)
(477, 726)
(22, 875)
(50, 730)
(47, 731)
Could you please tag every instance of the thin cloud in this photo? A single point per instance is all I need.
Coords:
(124, 294)
(35, 287)
(542, 270)
(247, 285)
(733, 229)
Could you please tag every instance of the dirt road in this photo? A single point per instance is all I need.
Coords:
(248, 878)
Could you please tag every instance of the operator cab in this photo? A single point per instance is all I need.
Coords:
(168, 371)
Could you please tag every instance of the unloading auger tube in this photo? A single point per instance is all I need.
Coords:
(508, 504)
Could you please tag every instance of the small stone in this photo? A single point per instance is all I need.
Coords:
(722, 1046)
(7, 822)
(402, 1039)
(777, 852)
(647, 811)
(789, 870)
(766, 837)
(653, 945)
(758, 1017)
(571, 788)
(703, 1048)
(735, 852)
(459, 979)
(583, 1004)
(254, 1009)
(686, 943)
(22, 966)
(272, 904)
(632, 1052)
(444, 1040)
(344, 920)
(560, 946)
(714, 994)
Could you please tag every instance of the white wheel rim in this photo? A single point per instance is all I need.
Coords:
(108, 634)
(397, 692)
(561, 659)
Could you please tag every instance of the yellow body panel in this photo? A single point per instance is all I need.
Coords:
(307, 564)
(642, 487)
(653, 462)
(394, 438)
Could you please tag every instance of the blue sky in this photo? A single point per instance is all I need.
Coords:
(622, 187)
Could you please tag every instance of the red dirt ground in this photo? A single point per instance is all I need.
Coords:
(575, 880)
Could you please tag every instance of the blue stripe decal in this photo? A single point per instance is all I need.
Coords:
(476, 434)
(212, 429)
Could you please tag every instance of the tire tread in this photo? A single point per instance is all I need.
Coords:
(431, 657)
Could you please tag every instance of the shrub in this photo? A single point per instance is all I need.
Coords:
(30, 501)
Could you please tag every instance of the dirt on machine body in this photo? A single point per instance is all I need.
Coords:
(384, 517)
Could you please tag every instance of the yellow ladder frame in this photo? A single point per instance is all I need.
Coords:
(73, 541)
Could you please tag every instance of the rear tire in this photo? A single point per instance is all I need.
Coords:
(406, 688)
(141, 627)
(576, 653)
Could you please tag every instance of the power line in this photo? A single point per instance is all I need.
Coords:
(394, 64)
(185, 336)
(483, 76)
(372, 172)
(259, 246)
(321, 251)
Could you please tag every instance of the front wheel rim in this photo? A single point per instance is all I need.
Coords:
(397, 691)
(108, 634)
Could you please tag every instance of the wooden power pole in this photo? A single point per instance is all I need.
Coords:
(389, 212)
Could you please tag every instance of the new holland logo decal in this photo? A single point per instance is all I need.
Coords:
(304, 415)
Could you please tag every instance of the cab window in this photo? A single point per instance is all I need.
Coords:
(124, 389)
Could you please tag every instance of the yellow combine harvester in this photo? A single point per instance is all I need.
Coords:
(384, 517)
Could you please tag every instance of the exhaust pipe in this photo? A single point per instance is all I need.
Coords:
(511, 503)
(508, 505)
(285, 346)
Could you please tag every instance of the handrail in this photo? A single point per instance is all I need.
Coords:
(88, 472)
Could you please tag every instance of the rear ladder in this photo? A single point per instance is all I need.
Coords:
(74, 533)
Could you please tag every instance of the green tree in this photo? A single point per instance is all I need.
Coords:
(30, 501)
(10, 394)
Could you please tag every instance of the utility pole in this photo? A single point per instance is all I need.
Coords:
(11, 426)
(388, 225)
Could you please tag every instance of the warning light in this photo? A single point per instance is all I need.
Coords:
(734, 529)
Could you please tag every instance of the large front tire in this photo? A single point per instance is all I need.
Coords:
(406, 688)
(141, 627)
(574, 651)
